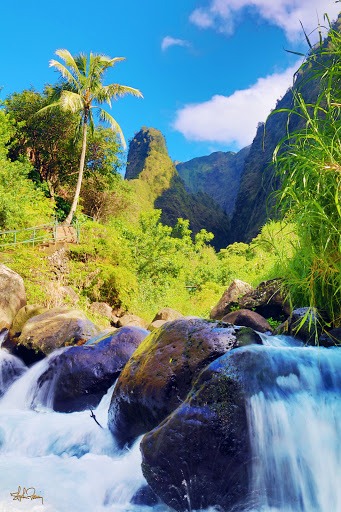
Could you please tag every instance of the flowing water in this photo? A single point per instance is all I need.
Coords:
(295, 427)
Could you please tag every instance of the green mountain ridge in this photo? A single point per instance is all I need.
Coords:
(158, 185)
(218, 175)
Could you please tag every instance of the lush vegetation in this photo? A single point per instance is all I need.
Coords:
(80, 91)
(308, 164)
(140, 259)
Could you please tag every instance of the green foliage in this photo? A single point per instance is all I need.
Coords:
(308, 164)
(21, 203)
(47, 140)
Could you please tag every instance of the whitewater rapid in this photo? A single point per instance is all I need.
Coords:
(74, 464)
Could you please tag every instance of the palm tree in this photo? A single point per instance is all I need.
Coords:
(80, 91)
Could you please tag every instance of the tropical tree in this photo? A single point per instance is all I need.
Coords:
(80, 91)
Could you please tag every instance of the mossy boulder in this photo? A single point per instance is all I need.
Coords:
(267, 300)
(55, 328)
(159, 375)
(201, 455)
(82, 375)
(24, 314)
(12, 296)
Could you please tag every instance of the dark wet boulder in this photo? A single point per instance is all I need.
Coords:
(200, 455)
(145, 496)
(306, 324)
(248, 318)
(82, 375)
(160, 373)
(267, 300)
(331, 338)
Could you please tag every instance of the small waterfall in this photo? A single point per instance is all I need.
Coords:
(295, 425)
(11, 368)
(294, 413)
(25, 392)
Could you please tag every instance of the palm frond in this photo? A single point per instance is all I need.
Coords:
(108, 92)
(107, 118)
(68, 59)
(71, 101)
(66, 74)
(51, 106)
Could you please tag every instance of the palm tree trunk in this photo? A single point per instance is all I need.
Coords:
(69, 218)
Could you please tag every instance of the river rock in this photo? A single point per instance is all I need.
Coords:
(267, 300)
(11, 368)
(55, 328)
(200, 455)
(248, 318)
(82, 375)
(12, 296)
(156, 324)
(159, 375)
(145, 496)
(133, 320)
(331, 338)
(102, 308)
(24, 314)
(311, 328)
(230, 298)
(167, 314)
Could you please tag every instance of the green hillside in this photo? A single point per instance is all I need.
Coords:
(218, 175)
(158, 185)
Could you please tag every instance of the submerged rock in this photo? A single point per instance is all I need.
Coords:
(82, 375)
(159, 375)
(11, 368)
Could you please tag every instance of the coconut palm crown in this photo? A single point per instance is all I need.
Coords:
(81, 91)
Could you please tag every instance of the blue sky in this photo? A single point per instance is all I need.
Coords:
(209, 70)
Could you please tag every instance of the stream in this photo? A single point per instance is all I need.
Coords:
(74, 465)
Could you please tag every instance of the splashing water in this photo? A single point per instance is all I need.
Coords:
(294, 422)
(295, 425)
(72, 462)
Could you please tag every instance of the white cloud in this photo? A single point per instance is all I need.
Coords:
(171, 41)
(234, 119)
(287, 14)
(202, 18)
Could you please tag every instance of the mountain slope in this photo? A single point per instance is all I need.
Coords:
(254, 203)
(158, 185)
(215, 174)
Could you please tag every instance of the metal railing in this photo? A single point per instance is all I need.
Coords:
(38, 234)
